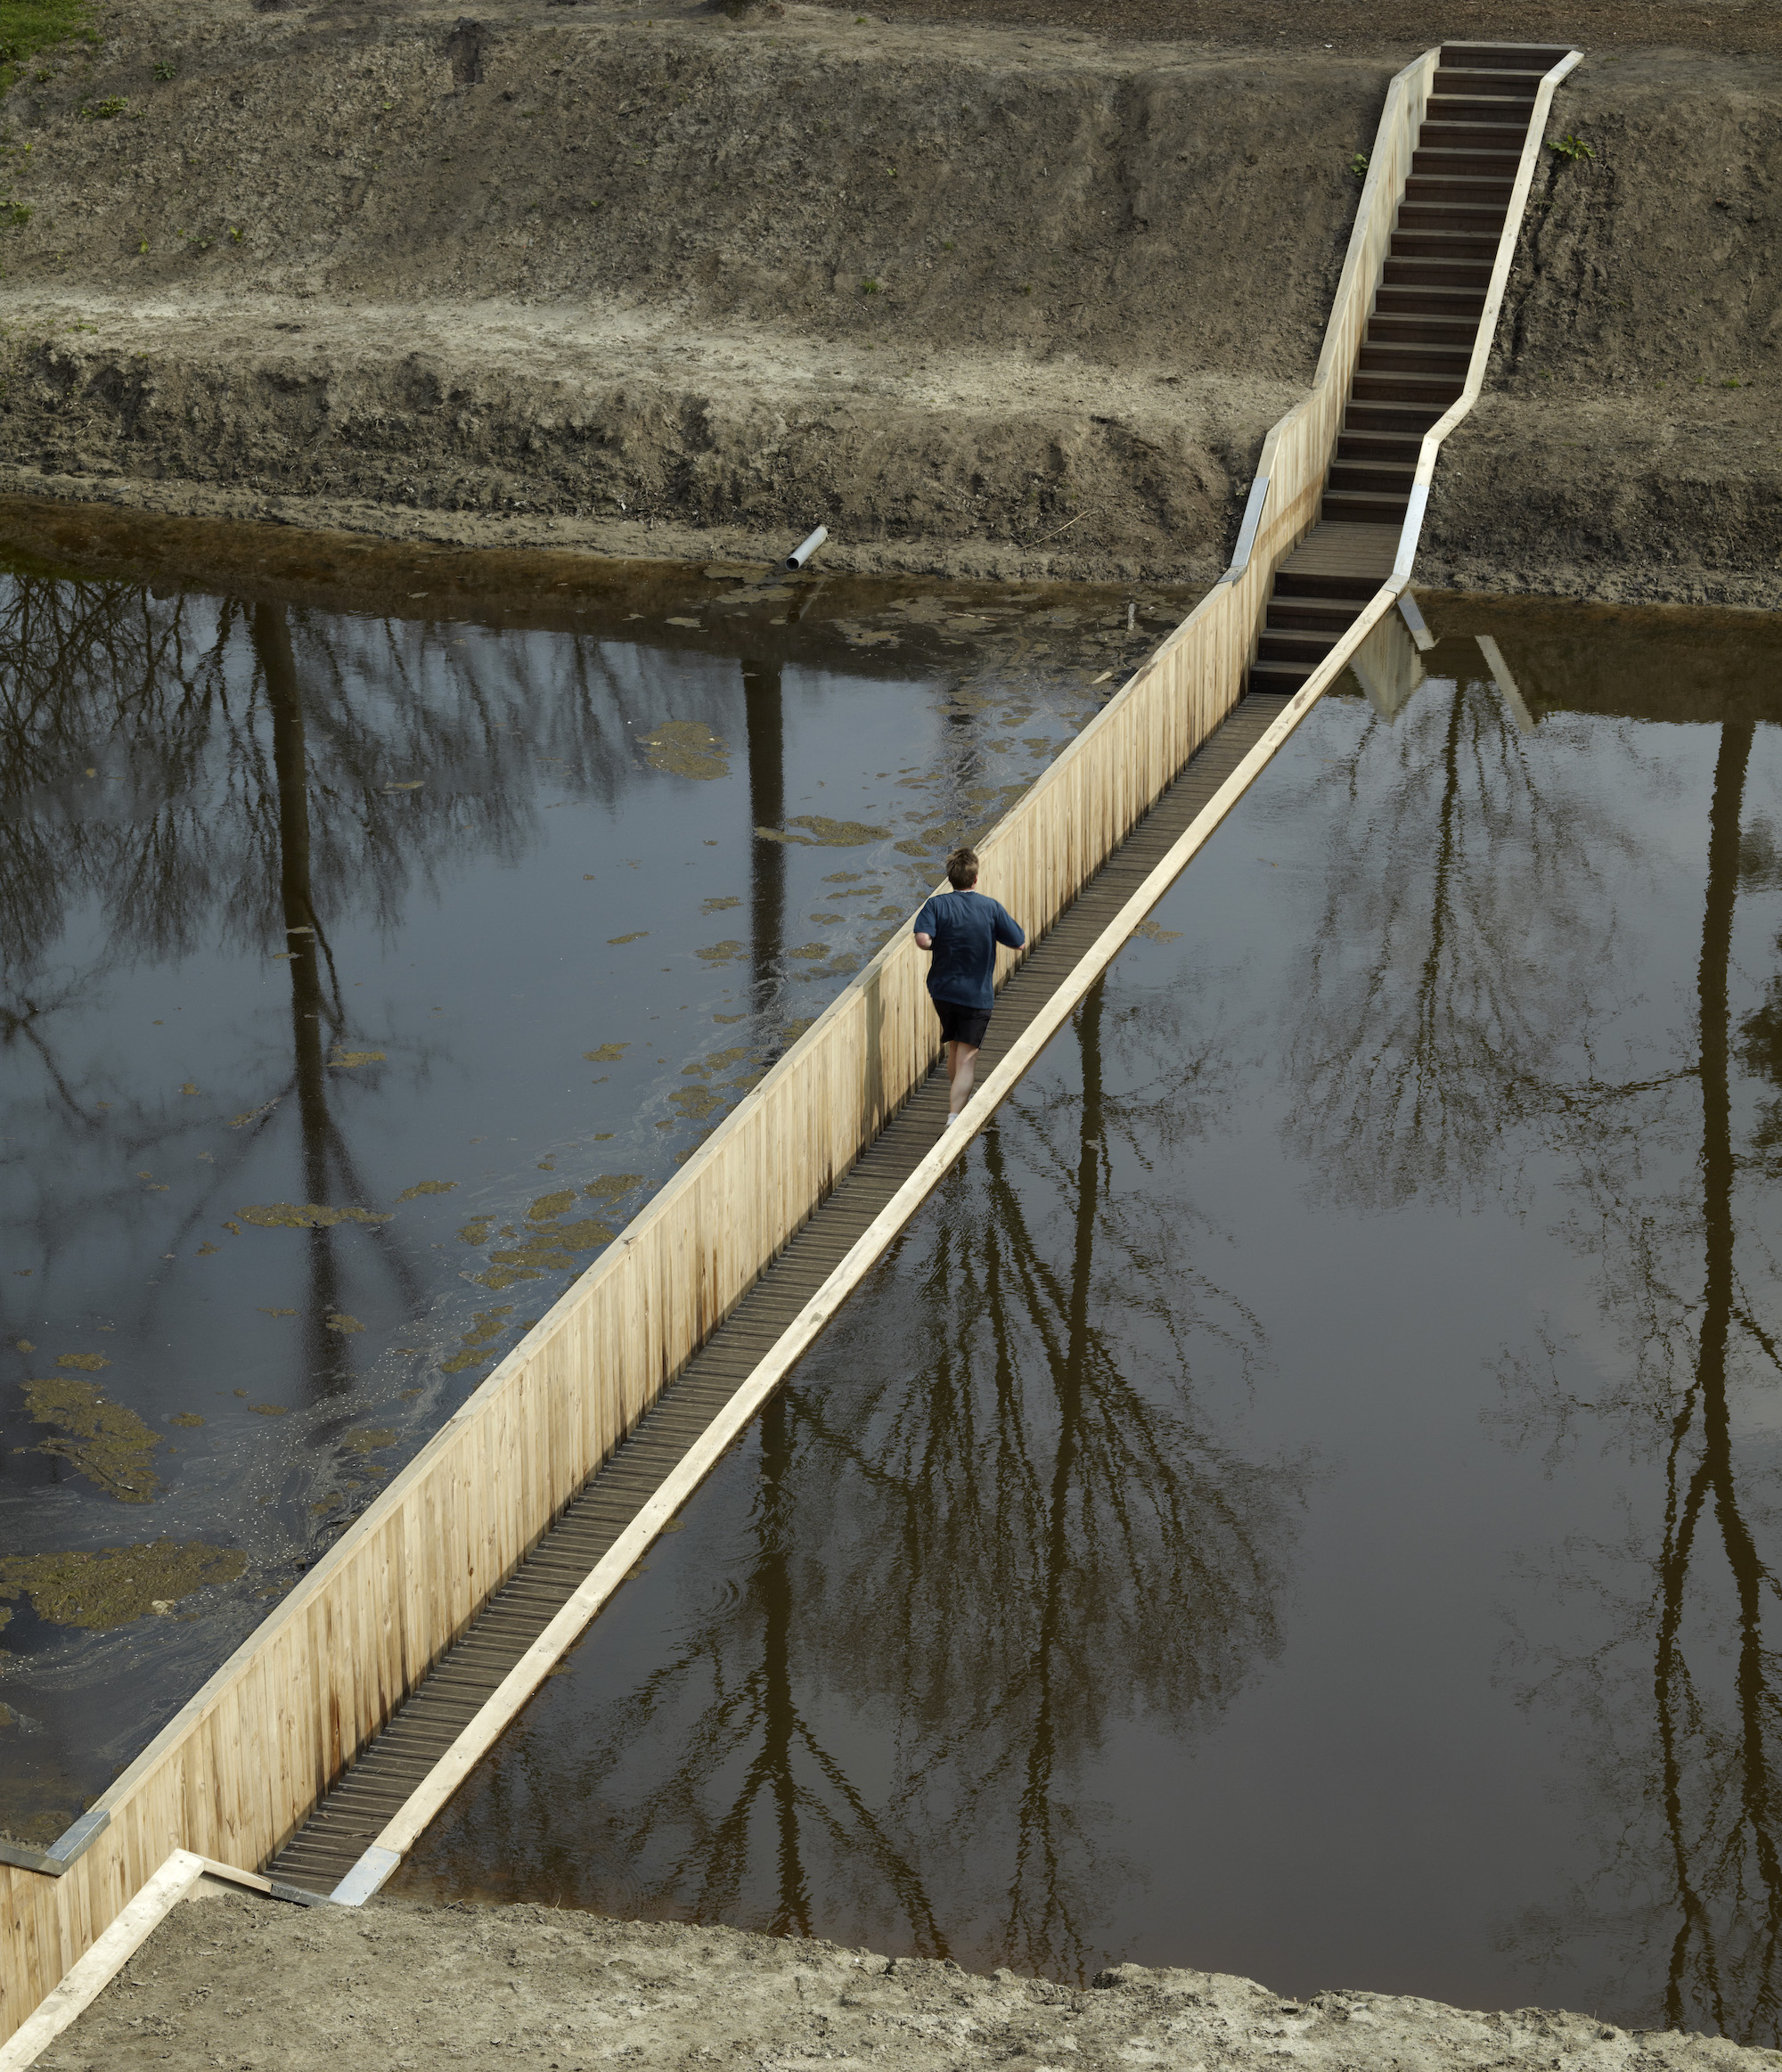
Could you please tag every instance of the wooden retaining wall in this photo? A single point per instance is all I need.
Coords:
(233, 1773)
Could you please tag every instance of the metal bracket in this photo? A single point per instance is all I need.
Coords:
(365, 1877)
(1247, 531)
(298, 1896)
(66, 1848)
(1413, 619)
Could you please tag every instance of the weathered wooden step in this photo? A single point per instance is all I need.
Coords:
(1487, 82)
(1308, 648)
(1436, 270)
(1396, 327)
(1365, 507)
(1362, 416)
(1407, 388)
(1469, 162)
(1538, 58)
(1391, 478)
(1414, 359)
(1489, 133)
(1290, 582)
(1326, 614)
(1395, 298)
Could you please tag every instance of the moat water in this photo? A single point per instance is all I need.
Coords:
(1305, 1499)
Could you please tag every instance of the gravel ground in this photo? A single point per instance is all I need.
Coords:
(246, 1983)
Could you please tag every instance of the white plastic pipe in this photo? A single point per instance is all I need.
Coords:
(806, 548)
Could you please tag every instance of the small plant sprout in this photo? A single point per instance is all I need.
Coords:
(1572, 146)
(165, 69)
(142, 250)
(869, 287)
(1358, 165)
(234, 234)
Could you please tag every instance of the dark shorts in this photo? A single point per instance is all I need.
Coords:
(962, 1025)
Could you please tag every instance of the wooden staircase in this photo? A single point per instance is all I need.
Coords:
(1413, 361)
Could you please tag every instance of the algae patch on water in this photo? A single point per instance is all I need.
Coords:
(426, 1187)
(117, 1585)
(88, 1362)
(824, 833)
(105, 1441)
(480, 1341)
(609, 1184)
(683, 748)
(548, 1206)
(606, 1053)
(304, 1216)
(368, 1439)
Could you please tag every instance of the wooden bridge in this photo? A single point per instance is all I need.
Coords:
(319, 1751)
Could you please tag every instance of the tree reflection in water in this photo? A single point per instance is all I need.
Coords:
(1680, 1697)
(1488, 968)
(993, 1522)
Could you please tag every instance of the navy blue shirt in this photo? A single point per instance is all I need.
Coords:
(966, 928)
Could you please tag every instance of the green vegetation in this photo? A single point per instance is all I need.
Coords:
(29, 26)
(1571, 147)
(1358, 165)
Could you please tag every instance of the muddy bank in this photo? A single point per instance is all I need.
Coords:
(246, 1982)
(985, 301)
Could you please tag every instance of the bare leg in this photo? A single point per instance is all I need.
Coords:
(961, 1065)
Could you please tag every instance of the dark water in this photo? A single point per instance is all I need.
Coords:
(459, 923)
(1305, 1499)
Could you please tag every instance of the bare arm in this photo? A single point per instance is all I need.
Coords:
(924, 942)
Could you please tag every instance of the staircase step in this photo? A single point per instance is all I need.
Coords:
(1395, 447)
(1473, 236)
(1393, 327)
(1375, 417)
(1486, 82)
(1291, 582)
(1331, 615)
(1408, 389)
(1483, 227)
(1467, 163)
(1391, 478)
(1396, 298)
(1453, 133)
(1365, 507)
(1278, 679)
(1430, 272)
(1538, 58)
(1497, 109)
(1414, 359)
(1302, 647)
(1462, 189)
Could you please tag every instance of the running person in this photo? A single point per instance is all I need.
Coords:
(963, 928)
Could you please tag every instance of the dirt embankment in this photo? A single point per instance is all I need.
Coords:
(248, 1983)
(985, 301)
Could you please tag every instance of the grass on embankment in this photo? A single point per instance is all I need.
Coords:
(29, 26)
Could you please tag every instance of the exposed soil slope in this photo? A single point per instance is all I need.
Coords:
(983, 301)
(248, 1983)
